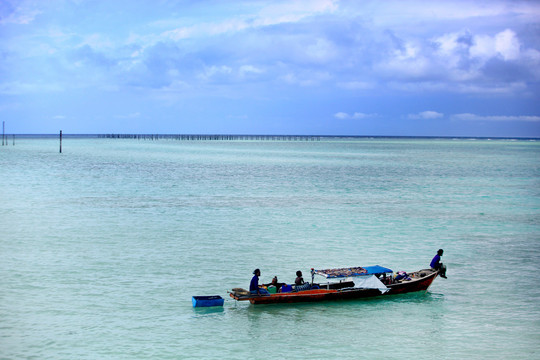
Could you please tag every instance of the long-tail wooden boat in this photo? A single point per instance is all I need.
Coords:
(348, 289)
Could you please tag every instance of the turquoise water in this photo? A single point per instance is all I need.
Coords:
(103, 246)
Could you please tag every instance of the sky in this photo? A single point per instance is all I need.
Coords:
(313, 67)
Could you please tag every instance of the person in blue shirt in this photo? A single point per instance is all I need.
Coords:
(437, 264)
(254, 288)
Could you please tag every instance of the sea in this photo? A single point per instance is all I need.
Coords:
(103, 245)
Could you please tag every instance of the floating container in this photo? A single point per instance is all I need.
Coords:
(207, 301)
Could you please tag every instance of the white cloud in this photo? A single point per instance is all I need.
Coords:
(426, 115)
(491, 89)
(205, 29)
(213, 71)
(20, 16)
(178, 33)
(356, 115)
(292, 11)
(406, 61)
(274, 14)
(474, 117)
(341, 115)
(249, 69)
(507, 44)
(504, 44)
(417, 13)
(462, 62)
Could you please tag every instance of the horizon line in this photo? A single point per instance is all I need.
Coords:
(170, 135)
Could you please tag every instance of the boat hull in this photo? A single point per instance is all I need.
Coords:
(420, 283)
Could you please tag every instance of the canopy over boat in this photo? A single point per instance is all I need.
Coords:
(352, 271)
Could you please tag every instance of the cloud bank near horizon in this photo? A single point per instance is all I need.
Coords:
(285, 66)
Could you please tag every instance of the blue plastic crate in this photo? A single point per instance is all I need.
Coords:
(207, 301)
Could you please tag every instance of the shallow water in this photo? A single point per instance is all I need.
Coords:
(103, 246)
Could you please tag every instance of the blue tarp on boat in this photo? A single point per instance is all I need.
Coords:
(353, 271)
(377, 269)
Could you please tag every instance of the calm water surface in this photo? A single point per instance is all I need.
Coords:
(103, 246)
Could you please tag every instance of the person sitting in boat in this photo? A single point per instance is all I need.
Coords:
(275, 283)
(401, 275)
(299, 284)
(254, 288)
(436, 264)
(299, 279)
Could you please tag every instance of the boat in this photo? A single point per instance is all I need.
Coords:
(348, 283)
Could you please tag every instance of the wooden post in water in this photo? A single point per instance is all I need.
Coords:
(60, 141)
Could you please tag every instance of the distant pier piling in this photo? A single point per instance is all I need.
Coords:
(60, 141)
(206, 137)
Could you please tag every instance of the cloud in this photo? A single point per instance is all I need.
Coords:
(23, 14)
(426, 115)
(249, 69)
(504, 44)
(341, 115)
(474, 117)
(356, 115)
(467, 59)
(215, 72)
(346, 45)
(413, 13)
(276, 13)
(292, 11)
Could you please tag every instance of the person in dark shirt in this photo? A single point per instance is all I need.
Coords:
(437, 264)
(299, 279)
(254, 288)
(275, 283)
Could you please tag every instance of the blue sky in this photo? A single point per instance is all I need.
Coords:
(324, 67)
